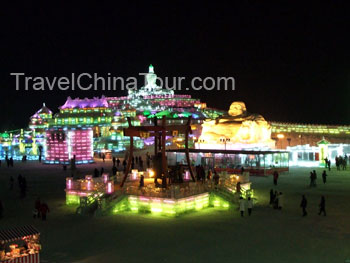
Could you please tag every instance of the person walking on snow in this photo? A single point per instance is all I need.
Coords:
(303, 205)
(241, 206)
(249, 205)
(44, 209)
(322, 206)
(275, 177)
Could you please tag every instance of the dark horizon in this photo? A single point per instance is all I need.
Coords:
(290, 62)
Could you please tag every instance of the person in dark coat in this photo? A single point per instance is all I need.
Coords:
(142, 181)
(312, 179)
(242, 206)
(322, 206)
(303, 205)
(238, 188)
(44, 209)
(118, 162)
(249, 205)
(113, 160)
(324, 177)
(275, 177)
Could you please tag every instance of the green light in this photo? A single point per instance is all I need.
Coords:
(72, 199)
(169, 207)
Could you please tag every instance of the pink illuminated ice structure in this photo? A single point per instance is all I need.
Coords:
(63, 145)
(110, 187)
(105, 178)
(69, 183)
(85, 103)
(134, 174)
(89, 182)
(187, 175)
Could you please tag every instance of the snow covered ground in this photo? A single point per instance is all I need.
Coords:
(207, 236)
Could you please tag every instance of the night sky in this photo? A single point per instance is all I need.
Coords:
(291, 62)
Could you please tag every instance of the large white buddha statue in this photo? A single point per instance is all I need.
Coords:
(238, 126)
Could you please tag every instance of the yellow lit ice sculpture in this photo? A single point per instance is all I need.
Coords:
(323, 146)
(239, 128)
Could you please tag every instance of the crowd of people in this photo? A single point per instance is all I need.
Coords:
(341, 162)
(211, 175)
(137, 162)
(40, 208)
(9, 161)
(276, 197)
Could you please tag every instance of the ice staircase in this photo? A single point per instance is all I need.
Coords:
(110, 203)
(225, 194)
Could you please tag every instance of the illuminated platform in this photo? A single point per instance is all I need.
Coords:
(170, 207)
(103, 195)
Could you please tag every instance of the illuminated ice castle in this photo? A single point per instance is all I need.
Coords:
(83, 126)
(86, 126)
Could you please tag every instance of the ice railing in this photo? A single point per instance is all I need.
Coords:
(105, 183)
(227, 182)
